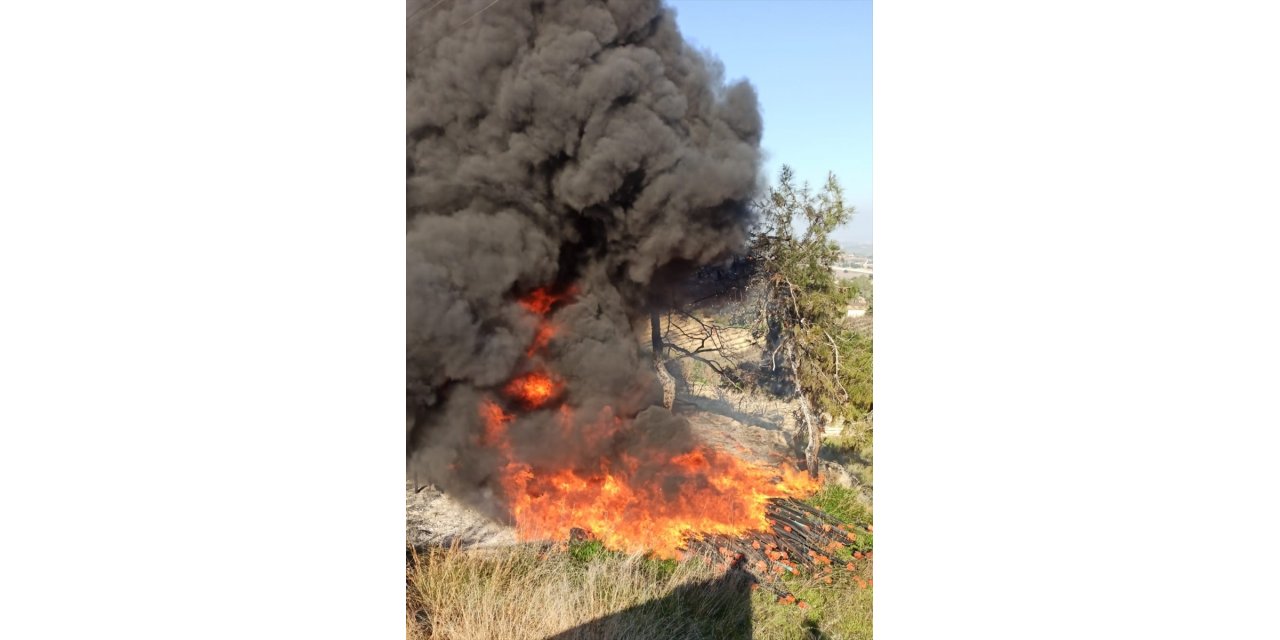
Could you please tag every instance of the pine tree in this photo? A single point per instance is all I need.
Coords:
(802, 304)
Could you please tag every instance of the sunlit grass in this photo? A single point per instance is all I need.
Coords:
(531, 592)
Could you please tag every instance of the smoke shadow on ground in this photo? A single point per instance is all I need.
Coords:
(843, 455)
(812, 632)
(757, 414)
(719, 608)
(724, 408)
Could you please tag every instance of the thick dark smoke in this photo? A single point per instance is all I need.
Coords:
(555, 143)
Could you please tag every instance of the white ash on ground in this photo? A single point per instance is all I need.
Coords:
(435, 519)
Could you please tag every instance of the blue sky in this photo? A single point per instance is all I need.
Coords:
(810, 62)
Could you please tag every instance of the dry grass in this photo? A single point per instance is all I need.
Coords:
(526, 592)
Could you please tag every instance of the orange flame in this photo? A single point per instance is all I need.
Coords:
(541, 300)
(644, 501)
(495, 424)
(533, 389)
(541, 339)
(644, 504)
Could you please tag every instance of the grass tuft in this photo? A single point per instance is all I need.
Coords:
(529, 592)
(586, 551)
(845, 503)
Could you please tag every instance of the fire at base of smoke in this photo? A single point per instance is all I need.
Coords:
(566, 161)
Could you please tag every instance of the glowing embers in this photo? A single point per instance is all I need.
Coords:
(533, 390)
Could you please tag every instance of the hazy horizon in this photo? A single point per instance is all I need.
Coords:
(810, 62)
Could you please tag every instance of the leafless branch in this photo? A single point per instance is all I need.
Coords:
(708, 333)
(773, 358)
(721, 371)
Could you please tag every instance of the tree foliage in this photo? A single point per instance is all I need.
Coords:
(785, 290)
(802, 304)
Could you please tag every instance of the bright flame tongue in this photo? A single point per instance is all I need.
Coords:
(534, 389)
(642, 504)
(540, 300)
(645, 503)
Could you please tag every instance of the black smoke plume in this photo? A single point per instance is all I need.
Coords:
(557, 143)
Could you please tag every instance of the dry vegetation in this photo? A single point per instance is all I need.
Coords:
(583, 591)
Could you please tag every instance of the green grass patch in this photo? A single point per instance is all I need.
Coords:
(585, 551)
(659, 568)
(843, 503)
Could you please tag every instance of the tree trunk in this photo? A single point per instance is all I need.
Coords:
(659, 362)
(812, 428)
